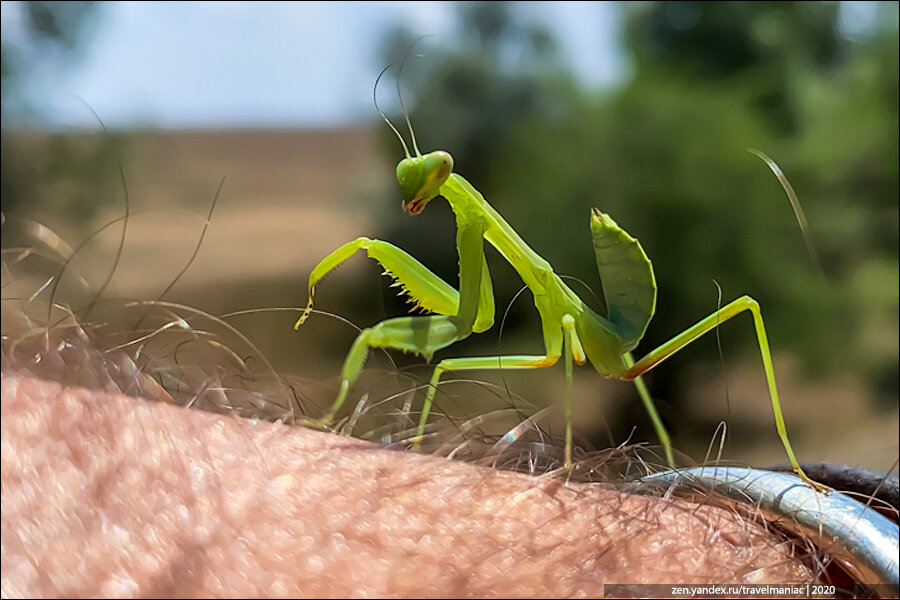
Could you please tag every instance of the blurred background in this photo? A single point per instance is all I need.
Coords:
(644, 110)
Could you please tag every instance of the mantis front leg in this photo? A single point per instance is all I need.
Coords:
(428, 290)
(470, 309)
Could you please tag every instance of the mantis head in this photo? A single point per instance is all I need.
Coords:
(422, 177)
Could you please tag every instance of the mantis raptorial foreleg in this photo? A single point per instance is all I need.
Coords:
(429, 291)
(469, 309)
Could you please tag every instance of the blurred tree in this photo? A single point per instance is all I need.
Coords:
(51, 175)
(47, 32)
(716, 41)
(499, 71)
(713, 77)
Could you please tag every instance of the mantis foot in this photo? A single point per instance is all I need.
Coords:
(821, 488)
(317, 424)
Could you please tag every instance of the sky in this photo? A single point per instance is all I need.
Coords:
(268, 64)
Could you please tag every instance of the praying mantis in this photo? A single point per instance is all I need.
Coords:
(571, 329)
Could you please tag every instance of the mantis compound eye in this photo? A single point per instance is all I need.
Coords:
(438, 166)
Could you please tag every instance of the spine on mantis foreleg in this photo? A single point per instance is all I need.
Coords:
(326, 265)
(626, 276)
(425, 290)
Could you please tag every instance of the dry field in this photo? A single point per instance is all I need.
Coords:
(289, 198)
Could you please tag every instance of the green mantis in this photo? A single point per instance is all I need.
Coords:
(571, 329)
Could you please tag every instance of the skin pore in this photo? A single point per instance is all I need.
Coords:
(109, 495)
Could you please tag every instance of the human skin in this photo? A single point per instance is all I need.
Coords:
(109, 495)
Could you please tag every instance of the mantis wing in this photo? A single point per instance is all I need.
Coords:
(626, 276)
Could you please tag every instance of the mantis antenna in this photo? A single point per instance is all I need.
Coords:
(384, 116)
(412, 133)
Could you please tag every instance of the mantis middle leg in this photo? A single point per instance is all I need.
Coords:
(571, 348)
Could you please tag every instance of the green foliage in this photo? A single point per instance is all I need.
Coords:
(70, 177)
(65, 179)
(665, 154)
(48, 40)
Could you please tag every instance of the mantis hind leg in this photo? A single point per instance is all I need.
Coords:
(655, 419)
(744, 303)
